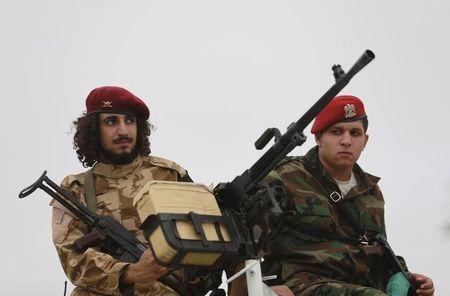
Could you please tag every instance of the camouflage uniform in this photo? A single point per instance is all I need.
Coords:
(94, 272)
(304, 255)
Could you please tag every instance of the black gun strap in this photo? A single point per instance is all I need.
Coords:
(89, 191)
(345, 208)
(340, 204)
(327, 236)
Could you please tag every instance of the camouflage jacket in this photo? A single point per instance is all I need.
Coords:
(302, 258)
(94, 272)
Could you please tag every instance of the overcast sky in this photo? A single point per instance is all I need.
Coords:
(215, 74)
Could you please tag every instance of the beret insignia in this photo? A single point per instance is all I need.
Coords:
(350, 111)
(107, 104)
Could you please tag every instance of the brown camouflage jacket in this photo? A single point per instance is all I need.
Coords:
(94, 272)
(302, 258)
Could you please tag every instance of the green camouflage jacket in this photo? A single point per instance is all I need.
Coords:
(301, 258)
(94, 272)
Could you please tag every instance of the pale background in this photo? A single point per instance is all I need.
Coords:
(215, 75)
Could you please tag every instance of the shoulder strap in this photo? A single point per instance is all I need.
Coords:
(89, 191)
(340, 204)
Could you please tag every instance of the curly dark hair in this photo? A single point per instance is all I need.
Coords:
(86, 140)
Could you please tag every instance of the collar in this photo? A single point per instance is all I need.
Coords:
(117, 171)
(312, 162)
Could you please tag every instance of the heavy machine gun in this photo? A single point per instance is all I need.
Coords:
(241, 197)
(245, 206)
(233, 194)
(250, 208)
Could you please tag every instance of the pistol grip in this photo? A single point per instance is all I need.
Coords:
(88, 240)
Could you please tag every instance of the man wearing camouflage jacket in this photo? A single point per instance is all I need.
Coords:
(112, 138)
(319, 250)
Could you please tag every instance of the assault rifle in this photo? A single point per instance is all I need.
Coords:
(104, 231)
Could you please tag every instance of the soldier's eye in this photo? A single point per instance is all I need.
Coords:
(110, 121)
(335, 131)
(356, 133)
(130, 120)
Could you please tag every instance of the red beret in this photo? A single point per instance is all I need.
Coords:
(341, 108)
(115, 99)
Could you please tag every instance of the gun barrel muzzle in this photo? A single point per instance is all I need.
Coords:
(366, 58)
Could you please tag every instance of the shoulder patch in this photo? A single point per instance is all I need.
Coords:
(69, 181)
(165, 163)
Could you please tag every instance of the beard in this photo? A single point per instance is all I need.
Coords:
(119, 158)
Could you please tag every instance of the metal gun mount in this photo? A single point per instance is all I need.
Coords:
(255, 280)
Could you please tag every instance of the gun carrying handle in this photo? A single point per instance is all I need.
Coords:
(88, 240)
(30, 189)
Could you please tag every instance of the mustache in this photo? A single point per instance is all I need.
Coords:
(122, 139)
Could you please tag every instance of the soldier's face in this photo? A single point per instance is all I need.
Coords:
(118, 133)
(341, 145)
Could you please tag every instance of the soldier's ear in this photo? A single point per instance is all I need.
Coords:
(366, 140)
(317, 138)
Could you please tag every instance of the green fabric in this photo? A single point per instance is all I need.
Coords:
(398, 285)
(89, 191)
(301, 259)
(339, 289)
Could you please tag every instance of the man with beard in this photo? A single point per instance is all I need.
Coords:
(112, 138)
(324, 248)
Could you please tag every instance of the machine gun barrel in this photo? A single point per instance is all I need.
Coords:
(233, 194)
